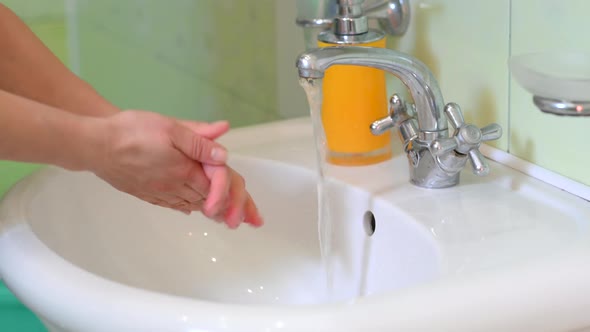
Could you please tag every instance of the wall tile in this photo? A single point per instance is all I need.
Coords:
(553, 142)
(291, 98)
(465, 44)
(37, 10)
(203, 60)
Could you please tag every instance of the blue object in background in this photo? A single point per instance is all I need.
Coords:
(15, 317)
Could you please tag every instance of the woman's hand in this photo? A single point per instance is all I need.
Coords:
(174, 164)
(228, 199)
(49, 115)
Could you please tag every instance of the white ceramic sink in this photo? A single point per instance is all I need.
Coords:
(500, 253)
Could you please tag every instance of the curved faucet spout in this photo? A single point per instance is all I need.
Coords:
(423, 87)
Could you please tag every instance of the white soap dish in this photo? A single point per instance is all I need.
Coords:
(559, 81)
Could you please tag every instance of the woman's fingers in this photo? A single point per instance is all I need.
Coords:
(208, 130)
(218, 195)
(197, 180)
(168, 202)
(238, 196)
(186, 193)
(197, 147)
(234, 204)
(228, 200)
(251, 214)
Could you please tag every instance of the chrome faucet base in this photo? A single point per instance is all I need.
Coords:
(429, 175)
(441, 160)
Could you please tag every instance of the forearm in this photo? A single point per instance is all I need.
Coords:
(29, 69)
(38, 133)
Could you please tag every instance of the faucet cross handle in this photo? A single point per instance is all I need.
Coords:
(466, 140)
(398, 113)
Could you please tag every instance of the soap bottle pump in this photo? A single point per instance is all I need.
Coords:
(353, 96)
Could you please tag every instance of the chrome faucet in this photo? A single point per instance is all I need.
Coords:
(316, 16)
(392, 15)
(436, 159)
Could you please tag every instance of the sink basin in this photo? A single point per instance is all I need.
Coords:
(501, 253)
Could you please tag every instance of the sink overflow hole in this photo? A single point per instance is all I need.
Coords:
(369, 223)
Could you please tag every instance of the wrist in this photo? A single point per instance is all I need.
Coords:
(105, 109)
(90, 148)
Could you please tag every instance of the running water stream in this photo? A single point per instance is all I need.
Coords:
(313, 90)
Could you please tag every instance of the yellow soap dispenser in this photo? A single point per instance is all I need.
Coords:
(353, 96)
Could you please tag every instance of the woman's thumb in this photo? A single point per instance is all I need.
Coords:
(197, 147)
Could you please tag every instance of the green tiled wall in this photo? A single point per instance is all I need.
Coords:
(465, 44)
(554, 142)
(204, 60)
